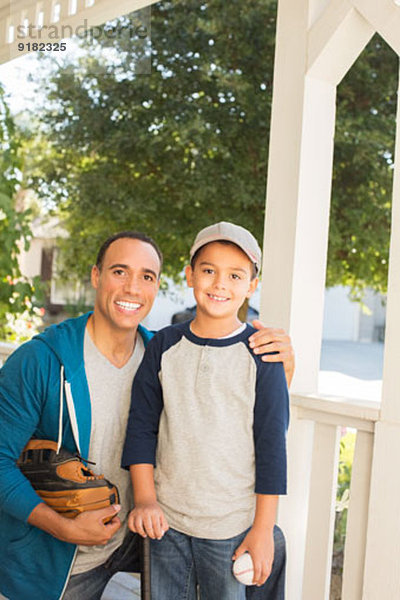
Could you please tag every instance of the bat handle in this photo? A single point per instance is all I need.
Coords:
(145, 586)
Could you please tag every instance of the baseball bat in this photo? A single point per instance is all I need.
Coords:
(145, 586)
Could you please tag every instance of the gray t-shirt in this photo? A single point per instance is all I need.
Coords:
(212, 417)
(110, 394)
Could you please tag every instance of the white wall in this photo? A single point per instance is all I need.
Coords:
(30, 262)
(341, 315)
(351, 321)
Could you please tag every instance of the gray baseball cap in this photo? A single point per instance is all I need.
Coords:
(231, 233)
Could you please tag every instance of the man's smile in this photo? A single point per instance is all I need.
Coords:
(128, 305)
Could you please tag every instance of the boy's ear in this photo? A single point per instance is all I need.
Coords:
(252, 287)
(189, 275)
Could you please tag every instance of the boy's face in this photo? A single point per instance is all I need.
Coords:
(221, 280)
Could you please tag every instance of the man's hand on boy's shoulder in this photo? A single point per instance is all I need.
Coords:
(271, 339)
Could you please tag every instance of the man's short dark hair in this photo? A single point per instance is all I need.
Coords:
(132, 235)
(253, 268)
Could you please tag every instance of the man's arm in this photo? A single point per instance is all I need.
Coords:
(270, 339)
(22, 387)
(87, 529)
(24, 381)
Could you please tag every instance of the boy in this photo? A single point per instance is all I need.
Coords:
(215, 417)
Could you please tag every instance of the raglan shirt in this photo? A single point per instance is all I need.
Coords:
(212, 418)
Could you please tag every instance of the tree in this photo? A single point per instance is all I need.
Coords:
(16, 292)
(172, 151)
(363, 171)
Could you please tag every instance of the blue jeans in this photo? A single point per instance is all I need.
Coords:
(180, 562)
(185, 562)
(274, 587)
(90, 585)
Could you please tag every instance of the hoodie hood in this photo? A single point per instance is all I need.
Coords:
(66, 341)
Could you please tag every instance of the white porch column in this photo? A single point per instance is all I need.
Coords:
(295, 244)
(307, 211)
(382, 564)
(311, 56)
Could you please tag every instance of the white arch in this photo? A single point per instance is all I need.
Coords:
(317, 42)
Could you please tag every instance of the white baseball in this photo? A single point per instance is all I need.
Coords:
(243, 569)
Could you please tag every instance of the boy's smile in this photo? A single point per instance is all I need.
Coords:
(221, 281)
(217, 298)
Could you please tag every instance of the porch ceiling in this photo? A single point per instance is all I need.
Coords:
(383, 16)
(15, 14)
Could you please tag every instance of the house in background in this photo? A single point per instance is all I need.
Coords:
(344, 319)
(41, 259)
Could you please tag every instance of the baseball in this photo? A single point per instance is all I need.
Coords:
(243, 569)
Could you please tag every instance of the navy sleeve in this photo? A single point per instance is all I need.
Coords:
(146, 406)
(271, 420)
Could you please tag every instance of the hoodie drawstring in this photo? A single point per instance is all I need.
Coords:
(64, 384)
(60, 415)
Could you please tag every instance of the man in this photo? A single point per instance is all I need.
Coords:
(92, 359)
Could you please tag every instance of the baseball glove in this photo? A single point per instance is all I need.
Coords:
(63, 481)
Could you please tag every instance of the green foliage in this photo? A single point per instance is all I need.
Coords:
(363, 171)
(169, 152)
(186, 145)
(15, 291)
(347, 444)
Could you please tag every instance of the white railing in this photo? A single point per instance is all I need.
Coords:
(328, 416)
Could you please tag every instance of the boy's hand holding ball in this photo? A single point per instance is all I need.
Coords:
(253, 558)
(243, 569)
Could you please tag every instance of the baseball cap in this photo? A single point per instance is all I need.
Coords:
(231, 233)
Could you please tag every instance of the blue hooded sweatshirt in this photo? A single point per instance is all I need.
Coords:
(33, 564)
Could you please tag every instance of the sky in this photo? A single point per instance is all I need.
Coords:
(14, 77)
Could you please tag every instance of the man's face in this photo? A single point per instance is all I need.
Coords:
(127, 283)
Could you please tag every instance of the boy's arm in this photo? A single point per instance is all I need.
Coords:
(146, 518)
(271, 418)
(259, 541)
(139, 453)
(269, 339)
(145, 410)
